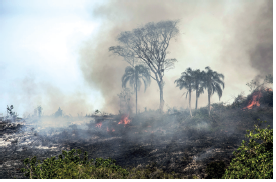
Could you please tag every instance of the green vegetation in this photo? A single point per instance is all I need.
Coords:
(70, 166)
(254, 160)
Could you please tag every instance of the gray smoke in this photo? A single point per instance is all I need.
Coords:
(232, 37)
(32, 95)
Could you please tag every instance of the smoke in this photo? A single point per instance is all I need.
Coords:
(232, 37)
(252, 44)
(50, 98)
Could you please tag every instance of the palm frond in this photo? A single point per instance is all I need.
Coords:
(125, 79)
(218, 90)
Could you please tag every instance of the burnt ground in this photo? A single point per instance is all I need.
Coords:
(172, 147)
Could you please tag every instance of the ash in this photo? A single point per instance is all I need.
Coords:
(172, 145)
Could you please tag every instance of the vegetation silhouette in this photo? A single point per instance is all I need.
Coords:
(212, 82)
(134, 76)
(186, 81)
(148, 45)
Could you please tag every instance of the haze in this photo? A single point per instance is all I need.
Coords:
(55, 53)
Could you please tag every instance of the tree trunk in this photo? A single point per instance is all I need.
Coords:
(196, 100)
(136, 96)
(209, 105)
(190, 103)
(160, 84)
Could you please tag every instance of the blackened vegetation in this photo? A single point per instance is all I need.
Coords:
(215, 170)
(174, 142)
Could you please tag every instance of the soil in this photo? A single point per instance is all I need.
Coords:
(174, 149)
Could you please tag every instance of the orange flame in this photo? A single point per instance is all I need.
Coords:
(124, 120)
(109, 130)
(99, 125)
(268, 89)
(255, 100)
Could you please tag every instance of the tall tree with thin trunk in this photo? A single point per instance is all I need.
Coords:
(148, 45)
(213, 82)
(134, 76)
(198, 83)
(186, 81)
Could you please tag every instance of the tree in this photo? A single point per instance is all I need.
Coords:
(9, 110)
(13, 115)
(198, 83)
(58, 113)
(269, 78)
(134, 76)
(186, 81)
(39, 110)
(256, 85)
(148, 45)
(212, 82)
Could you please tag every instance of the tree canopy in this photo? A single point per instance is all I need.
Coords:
(148, 45)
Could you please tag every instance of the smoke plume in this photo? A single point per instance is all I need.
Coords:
(232, 37)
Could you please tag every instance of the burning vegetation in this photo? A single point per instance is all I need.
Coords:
(255, 100)
(152, 143)
(124, 120)
(175, 144)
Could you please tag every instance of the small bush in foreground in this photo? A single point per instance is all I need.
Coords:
(70, 166)
(255, 160)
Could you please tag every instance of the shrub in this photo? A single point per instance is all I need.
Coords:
(218, 106)
(255, 160)
(70, 166)
(267, 97)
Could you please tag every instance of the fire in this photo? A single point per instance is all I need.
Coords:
(99, 125)
(255, 100)
(268, 89)
(124, 120)
(109, 130)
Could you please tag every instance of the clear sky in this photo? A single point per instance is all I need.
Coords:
(44, 45)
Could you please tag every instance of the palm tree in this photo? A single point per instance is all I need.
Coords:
(133, 75)
(186, 81)
(212, 82)
(198, 83)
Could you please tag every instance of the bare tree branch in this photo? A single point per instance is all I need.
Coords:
(148, 45)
